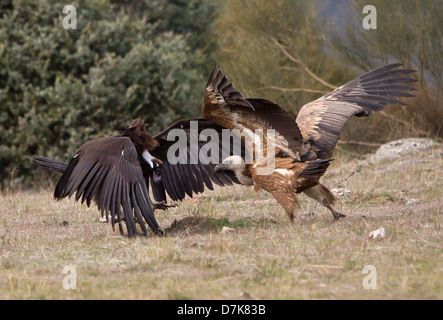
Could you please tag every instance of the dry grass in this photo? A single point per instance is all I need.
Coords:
(262, 256)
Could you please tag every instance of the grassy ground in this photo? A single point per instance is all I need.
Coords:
(234, 243)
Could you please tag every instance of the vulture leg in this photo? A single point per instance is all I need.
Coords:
(288, 200)
(323, 196)
(159, 232)
(337, 215)
(162, 205)
(284, 193)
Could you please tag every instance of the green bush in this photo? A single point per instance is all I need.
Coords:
(60, 88)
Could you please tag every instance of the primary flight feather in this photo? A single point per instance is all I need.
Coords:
(312, 136)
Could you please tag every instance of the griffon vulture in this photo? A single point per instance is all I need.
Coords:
(303, 146)
(115, 173)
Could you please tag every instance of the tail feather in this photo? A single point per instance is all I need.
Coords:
(315, 169)
(51, 164)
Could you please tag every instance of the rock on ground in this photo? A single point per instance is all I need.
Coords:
(378, 234)
(398, 148)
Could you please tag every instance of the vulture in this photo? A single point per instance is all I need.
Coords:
(116, 173)
(302, 147)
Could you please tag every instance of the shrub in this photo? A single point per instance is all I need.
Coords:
(60, 88)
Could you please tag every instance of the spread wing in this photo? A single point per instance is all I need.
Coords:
(226, 106)
(322, 120)
(188, 163)
(107, 170)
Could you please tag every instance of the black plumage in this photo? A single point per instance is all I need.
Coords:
(113, 173)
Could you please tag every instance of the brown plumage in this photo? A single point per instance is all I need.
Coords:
(288, 179)
(312, 136)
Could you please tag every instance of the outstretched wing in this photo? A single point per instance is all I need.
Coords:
(322, 120)
(107, 170)
(226, 106)
(189, 156)
(51, 164)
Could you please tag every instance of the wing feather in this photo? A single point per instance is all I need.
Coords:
(86, 181)
(180, 185)
(184, 178)
(220, 92)
(169, 183)
(137, 194)
(226, 106)
(322, 120)
(96, 182)
(108, 171)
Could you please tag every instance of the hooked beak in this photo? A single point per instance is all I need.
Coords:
(157, 161)
(150, 159)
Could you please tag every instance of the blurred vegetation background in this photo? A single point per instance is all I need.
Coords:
(129, 58)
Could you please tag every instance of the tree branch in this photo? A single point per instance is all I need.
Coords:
(360, 143)
(298, 61)
(293, 89)
(410, 125)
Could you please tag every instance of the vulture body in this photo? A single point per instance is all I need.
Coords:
(116, 173)
(303, 147)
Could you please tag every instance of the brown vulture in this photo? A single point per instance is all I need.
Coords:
(303, 146)
(115, 172)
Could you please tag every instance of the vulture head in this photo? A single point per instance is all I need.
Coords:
(142, 141)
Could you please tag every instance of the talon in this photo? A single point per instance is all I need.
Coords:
(338, 215)
(162, 205)
(159, 232)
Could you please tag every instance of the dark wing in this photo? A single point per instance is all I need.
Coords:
(108, 171)
(280, 120)
(189, 167)
(226, 106)
(220, 92)
(322, 120)
(51, 164)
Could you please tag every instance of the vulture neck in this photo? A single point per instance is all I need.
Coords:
(237, 165)
(243, 178)
(142, 141)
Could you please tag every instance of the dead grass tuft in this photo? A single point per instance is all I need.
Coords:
(262, 257)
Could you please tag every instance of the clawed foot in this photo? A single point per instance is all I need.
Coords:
(159, 232)
(162, 205)
(338, 215)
